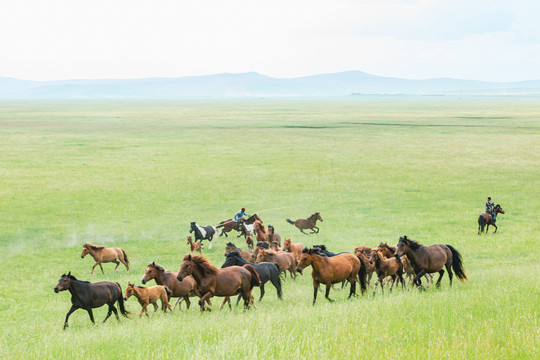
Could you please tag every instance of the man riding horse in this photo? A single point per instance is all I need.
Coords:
(239, 218)
(490, 209)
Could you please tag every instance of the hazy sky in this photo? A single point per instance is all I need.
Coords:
(468, 39)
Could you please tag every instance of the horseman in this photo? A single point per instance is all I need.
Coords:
(239, 217)
(490, 205)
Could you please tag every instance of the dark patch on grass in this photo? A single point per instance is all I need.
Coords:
(307, 127)
(418, 125)
(484, 117)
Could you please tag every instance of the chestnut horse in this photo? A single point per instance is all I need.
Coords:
(149, 295)
(295, 249)
(284, 259)
(101, 254)
(262, 235)
(230, 224)
(308, 223)
(333, 270)
(195, 246)
(431, 259)
(212, 281)
(386, 267)
(88, 296)
(182, 290)
(359, 251)
(485, 219)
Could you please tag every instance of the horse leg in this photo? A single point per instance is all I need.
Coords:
(238, 299)
(262, 291)
(315, 290)
(353, 287)
(203, 299)
(302, 230)
(91, 315)
(209, 247)
(495, 228)
(109, 313)
(115, 312)
(417, 280)
(155, 307)
(441, 273)
(93, 267)
(315, 230)
(117, 263)
(328, 287)
(178, 301)
(73, 308)
(393, 281)
(103, 272)
(450, 274)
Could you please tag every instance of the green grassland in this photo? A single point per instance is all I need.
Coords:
(134, 174)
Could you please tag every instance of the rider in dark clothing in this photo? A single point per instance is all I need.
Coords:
(490, 205)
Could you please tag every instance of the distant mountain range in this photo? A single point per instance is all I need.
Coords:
(252, 84)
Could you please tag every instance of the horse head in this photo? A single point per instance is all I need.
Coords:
(305, 259)
(185, 268)
(498, 209)
(64, 283)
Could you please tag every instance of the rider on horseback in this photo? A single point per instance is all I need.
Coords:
(490, 209)
(239, 217)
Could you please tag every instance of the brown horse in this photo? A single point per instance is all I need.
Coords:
(212, 281)
(485, 219)
(431, 259)
(308, 223)
(364, 249)
(245, 254)
(230, 224)
(333, 270)
(262, 235)
(88, 296)
(273, 235)
(386, 267)
(274, 246)
(285, 260)
(149, 295)
(386, 250)
(249, 242)
(101, 254)
(182, 290)
(295, 249)
(195, 246)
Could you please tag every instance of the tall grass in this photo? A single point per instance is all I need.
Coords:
(135, 174)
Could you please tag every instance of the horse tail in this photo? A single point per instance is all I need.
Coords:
(168, 291)
(290, 221)
(121, 303)
(255, 279)
(276, 280)
(221, 224)
(126, 259)
(481, 224)
(457, 264)
(362, 273)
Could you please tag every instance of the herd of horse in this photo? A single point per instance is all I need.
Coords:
(268, 261)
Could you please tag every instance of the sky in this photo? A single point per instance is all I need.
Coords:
(491, 40)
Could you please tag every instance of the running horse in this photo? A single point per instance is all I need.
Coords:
(230, 224)
(88, 296)
(102, 254)
(431, 259)
(485, 219)
(203, 233)
(308, 223)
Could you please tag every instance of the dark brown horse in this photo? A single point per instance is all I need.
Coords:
(230, 224)
(101, 254)
(182, 290)
(431, 259)
(273, 235)
(212, 281)
(333, 270)
(308, 223)
(485, 219)
(87, 296)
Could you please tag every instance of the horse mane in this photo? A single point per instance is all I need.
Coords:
(414, 245)
(233, 253)
(262, 244)
(313, 215)
(320, 247)
(93, 247)
(231, 244)
(74, 278)
(288, 240)
(158, 267)
(385, 245)
(204, 265)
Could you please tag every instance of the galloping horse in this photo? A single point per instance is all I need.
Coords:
(212, 281)
(230, 224)
(308, 223)
(485, 219)
(203, 233)
(87, 296)
(430, 259)
(149, 295)
(333, 270)
(101, 254)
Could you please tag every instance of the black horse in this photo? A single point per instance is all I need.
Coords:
(87, 296)
(203, 233)
(267, 271)
(321, 249)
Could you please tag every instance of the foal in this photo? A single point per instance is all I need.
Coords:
(101, 254)
(386, 267)
(149, 295)
(195, 246)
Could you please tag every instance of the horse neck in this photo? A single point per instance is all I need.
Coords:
(161, 277)
(75, 287)
(317, 262)
(95, 253)
(197, 275)
(240, 260)
(137, 292)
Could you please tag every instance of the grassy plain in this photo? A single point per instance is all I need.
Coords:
(135, 174)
